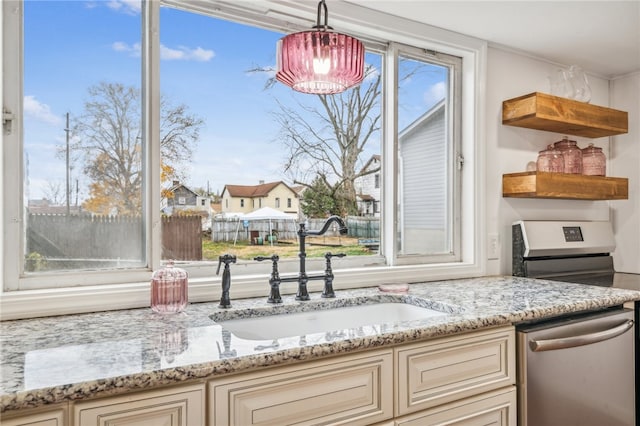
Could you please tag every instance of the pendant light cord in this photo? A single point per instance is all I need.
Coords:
(322, 6)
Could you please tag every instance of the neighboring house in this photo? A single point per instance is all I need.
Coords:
(216, 208)
(247, 198)
(179, 197)
(423, 179)
(299, 190)
(44, 206)
(368, 189)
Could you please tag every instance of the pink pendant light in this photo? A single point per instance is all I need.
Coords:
(320, 61)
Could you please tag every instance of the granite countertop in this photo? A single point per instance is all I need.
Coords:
(57, 359)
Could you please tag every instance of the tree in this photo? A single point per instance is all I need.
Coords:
(54, 193)
(328, 140)
(318, 200)
(108, 134)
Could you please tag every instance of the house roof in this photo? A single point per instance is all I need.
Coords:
(54, 210)
(177, 185)
(299, 189)
(420, 120)
(374, 158)
(366, 197)
(250, 191)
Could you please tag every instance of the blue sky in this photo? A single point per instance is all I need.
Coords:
(72, 45)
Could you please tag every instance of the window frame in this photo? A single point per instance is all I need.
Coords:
(454, 153)
(97, 290)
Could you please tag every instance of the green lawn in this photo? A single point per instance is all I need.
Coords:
(316, 247)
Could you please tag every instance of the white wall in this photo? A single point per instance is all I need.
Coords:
(625, 162)
(509, 149)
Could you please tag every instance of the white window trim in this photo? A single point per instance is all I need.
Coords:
(131, 289)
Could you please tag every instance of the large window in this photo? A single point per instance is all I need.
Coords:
(114, 131)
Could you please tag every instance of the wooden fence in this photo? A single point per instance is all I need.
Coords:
(182, 237)
(233, 229)
(363, 227)
(287, 229)
(69, 242)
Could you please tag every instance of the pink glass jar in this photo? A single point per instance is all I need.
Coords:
(169, 290)
(572, 155)
(550, 160)
(594, 162)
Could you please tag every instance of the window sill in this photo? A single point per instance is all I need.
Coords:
(75, 300)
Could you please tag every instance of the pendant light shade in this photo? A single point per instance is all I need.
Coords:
(320, 61)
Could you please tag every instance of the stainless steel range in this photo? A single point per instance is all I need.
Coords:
(569, 251)
(578, 370)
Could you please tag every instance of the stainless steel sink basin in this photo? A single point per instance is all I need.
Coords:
(326, 320)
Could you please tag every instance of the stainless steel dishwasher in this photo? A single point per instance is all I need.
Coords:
(578, 371)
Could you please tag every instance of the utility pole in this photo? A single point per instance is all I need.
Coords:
(68, 189)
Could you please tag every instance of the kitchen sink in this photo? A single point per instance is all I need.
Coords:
(289, 324)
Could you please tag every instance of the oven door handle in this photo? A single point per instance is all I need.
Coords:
(585, 339)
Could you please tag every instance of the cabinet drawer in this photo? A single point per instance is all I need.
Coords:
(354, 390)
(181, 406)
(496, 408)
(451, 368)
(36, 417)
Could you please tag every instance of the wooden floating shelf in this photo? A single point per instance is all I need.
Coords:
(541, 111)
(564, 186)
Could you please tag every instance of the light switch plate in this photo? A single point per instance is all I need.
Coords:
(493, 246)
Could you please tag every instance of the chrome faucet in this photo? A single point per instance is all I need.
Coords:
(302, 277)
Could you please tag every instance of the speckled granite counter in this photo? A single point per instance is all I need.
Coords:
(58, 359)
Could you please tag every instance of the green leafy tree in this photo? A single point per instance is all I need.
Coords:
(318, 200)
(321, 199)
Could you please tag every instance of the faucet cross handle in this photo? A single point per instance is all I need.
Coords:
(329, 255)
(328, 292)
(274, 280)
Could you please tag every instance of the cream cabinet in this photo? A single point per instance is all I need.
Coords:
(351, 389)
(451, 368)
(496, 408)
(178, 406)
(37, 417)
(466, 379)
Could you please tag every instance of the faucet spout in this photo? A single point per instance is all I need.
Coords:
(342, 227)
(303, 278)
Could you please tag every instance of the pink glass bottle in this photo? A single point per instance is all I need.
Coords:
(169, 290)
(594, 162)
(550, 160)
(572, 155)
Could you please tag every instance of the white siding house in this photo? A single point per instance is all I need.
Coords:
(423, 178)
(368, 189)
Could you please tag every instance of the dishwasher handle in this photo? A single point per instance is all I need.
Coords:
(585, 339)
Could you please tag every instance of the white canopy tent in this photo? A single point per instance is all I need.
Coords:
(264, 213)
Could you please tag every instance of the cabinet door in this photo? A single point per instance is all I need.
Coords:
(444, 370)
(497, 408)
(37, 417)
(353, 390)
(182, 406)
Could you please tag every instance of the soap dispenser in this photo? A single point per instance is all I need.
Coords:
(169, 290)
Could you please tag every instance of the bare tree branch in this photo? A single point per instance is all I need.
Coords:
(108, 136)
